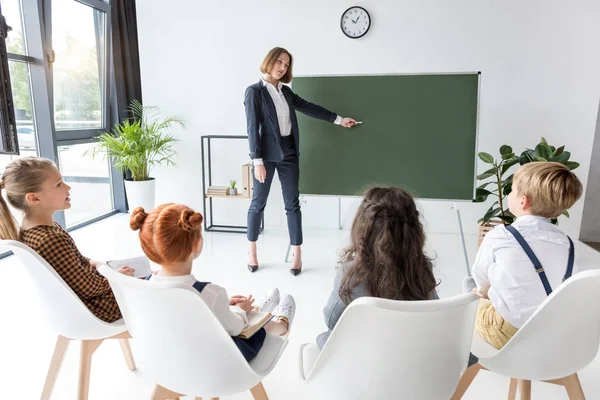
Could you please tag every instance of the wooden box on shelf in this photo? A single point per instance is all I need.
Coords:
(247, 181)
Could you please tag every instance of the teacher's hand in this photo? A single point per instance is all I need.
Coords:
(260, 173)
(348, 122)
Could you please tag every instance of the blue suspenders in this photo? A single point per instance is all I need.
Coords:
(536, 263)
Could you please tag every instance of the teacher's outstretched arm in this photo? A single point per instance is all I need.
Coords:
(316, 111)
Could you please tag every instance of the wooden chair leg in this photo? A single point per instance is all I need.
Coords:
(512, 389)
(258, 392)
(62, 343)
(127, 354)
(88, 347)
(161, 393)
(465, 381)
(573, 386)
(524, 389)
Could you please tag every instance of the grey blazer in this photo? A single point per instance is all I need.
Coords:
(335, 306)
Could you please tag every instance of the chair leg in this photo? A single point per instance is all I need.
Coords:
(512, 389)
(62, 343)
(161, 393)
(573, 386)
(88, 347)
(258, 392)
(127, 354)
(465, 381)
(524, 389)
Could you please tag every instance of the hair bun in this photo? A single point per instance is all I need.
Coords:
(190, 220)
(138, 216)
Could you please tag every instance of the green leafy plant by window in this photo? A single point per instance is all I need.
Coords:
(140, 143)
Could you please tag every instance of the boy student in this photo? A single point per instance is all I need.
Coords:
(518, 266)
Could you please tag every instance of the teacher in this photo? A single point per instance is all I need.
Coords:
(274, 145)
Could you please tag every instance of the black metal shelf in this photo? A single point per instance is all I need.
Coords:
(209, 224)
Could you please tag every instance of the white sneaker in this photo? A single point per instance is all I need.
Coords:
(269, 301)
(287, 309)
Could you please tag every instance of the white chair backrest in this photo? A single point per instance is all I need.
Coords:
(560, 338)
(64, 311)
(186, 349)
(385, 349)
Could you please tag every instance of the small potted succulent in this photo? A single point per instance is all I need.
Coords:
(232, 188)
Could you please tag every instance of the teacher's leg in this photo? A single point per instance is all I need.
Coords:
(256, 210)
(289, 175)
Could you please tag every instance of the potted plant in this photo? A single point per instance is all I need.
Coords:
(501, 186)
(139, 144)
(232, 188)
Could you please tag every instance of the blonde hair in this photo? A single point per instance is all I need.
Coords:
(551, 187)
(169, 233)
(270, 60)
(22, 176)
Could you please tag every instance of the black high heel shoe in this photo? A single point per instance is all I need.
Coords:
(296, 271)
(252, 268)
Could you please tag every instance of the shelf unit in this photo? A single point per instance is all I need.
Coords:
(207, 200)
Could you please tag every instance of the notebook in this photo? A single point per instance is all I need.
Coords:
(256, 320)
(141, 265)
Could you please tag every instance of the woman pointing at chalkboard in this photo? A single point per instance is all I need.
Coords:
(273, 136)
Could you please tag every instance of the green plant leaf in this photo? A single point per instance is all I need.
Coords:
(566, 213)
(539, 159)
(506, 190)
(561, 158)
(505, 149)
(506, 166)
(481, 195)
(543, 150)
(509, 219)
(572, 165)
(508, 156)
(559, 151)
(544, 140)
(484, 185)
(527, 156)
(490, 172)
(486, 158)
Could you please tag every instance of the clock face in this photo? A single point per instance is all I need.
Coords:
(355, 22)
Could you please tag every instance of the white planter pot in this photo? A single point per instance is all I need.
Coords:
(140, 194)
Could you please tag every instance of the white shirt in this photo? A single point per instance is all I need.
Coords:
(516, 289)
(233, 318)
(283, 112)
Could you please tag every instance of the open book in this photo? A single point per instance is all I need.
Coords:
(141, 265)
(256, 320)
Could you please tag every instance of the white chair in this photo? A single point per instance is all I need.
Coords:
(69, 317)
(386, 349)
(188, 352)
(559, 339)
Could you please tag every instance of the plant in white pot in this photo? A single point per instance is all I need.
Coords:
(139, 144)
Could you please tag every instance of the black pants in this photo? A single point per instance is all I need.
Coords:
(288, 170)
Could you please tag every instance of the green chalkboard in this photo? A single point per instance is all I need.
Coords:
(419, 132)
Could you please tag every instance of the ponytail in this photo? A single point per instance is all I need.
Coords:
(8, 223)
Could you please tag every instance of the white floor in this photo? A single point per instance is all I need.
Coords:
(26, 343)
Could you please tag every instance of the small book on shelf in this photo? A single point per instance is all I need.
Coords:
(140, 265)
(256, 320)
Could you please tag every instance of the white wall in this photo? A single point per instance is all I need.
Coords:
(539, 59)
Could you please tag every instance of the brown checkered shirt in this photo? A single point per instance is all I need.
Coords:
(57, 247)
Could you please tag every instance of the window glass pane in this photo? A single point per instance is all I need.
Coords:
(26, 132)
(78, 39)
(15, 43)
(91, 189)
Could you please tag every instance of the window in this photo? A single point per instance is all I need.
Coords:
(91, 188)
(79, 43)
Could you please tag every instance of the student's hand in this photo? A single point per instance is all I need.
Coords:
(260, 173)
(234, 300)
(348, 122)
(126, 271)
(246, 305)
(95, 264)
(481, 294)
